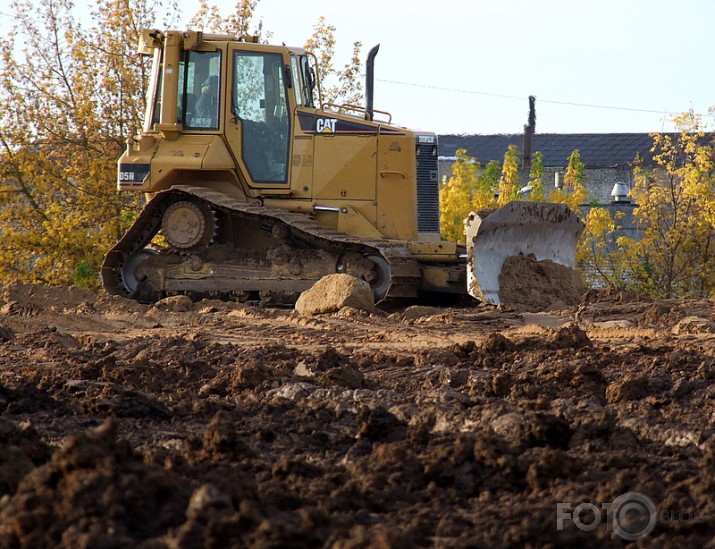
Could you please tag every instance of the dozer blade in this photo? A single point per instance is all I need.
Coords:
(547, 230)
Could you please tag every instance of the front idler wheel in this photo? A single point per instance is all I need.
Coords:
(130, 273)
(379, 277)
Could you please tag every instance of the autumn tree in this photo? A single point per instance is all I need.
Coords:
(675, 254)
(338, 86)
(468, 188)
(536, 178)
(487, 184)
(238, 22)
(455, 197)
(76, 95)
(573, 192)
(509, 182)
(600, 258)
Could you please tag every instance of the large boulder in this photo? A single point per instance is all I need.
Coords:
(334, 292)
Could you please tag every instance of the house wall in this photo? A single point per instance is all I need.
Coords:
(598, 182)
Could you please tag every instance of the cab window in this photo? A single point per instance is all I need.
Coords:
(197, 101)
(295, 73)
(307, 80)
(199, 90)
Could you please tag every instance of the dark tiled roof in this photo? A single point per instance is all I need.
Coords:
(597, 149)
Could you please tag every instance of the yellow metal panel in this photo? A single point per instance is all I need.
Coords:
(397, 187)
(217, 156)
(188, 152)
(327, 219)
(356, 220)
(351, 221)
(436, 251)
(232, 131)
(344, 167)
(301, 167)
(180, 153)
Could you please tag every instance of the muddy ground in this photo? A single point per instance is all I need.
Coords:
(212, 424)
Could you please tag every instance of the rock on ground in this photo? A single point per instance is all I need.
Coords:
(334, 292)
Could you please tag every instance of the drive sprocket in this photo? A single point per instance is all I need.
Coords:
(188, 225)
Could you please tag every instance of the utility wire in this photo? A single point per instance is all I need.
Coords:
(502, 96)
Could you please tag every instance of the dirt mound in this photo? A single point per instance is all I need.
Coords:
(94, 492)
(20, 452)
(530, 285)
(222, 425)
(27, 299)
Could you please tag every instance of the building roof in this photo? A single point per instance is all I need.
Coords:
(597, 149)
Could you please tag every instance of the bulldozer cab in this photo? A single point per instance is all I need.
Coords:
(243, 90)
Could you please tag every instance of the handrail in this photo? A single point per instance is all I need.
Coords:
(355, 108)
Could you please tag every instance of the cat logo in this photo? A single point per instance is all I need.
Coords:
(325, 125)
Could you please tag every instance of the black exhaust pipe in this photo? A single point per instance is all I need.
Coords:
(370, 81)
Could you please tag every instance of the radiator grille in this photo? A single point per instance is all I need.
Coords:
(427, 188)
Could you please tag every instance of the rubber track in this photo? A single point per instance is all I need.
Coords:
(404, 269)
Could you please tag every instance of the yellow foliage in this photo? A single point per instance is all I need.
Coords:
(509, 182)
(573, 193)
(454, 197)
(675, 253)
(75, 98)
(600, 261)
(348, 88)
(468, 189)
(536, 174)
(238, 22)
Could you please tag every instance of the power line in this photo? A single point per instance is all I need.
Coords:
(412, 84)
(612, 107)
(503, 96)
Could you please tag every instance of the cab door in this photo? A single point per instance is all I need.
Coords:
(258, 124)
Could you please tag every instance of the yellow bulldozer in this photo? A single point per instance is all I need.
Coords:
(256, 189)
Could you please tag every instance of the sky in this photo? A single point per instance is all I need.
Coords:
(469, 66)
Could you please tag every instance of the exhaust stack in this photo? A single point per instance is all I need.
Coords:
(370, 81)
